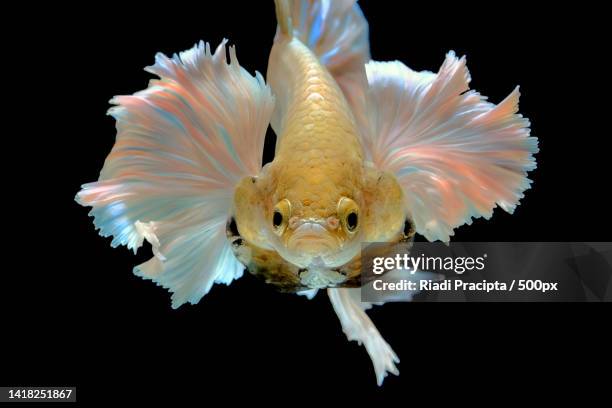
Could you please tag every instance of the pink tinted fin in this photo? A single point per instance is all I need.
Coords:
(456, 155)
(182, 146)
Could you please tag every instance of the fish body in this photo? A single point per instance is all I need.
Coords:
(319, 167)
(366, 152)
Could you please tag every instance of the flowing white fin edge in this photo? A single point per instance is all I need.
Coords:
(456, 155)
(358, 327)
(309, 293)
(182, 146)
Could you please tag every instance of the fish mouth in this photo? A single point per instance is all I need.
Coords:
(310, 241)
(313, 243)
(312, 238)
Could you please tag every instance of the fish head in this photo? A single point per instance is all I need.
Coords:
(323, 239)
(325, 229)
(316, 232)
(310, 222)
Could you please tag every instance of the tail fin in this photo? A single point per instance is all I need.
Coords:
(336, 31)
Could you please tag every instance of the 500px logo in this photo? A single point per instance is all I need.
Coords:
(413, 264)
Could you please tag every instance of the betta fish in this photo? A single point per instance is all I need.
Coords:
(366, 151)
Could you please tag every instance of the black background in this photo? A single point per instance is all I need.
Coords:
(74, 314)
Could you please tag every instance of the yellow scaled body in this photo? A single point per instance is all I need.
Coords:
(329, 199)
(318, 155)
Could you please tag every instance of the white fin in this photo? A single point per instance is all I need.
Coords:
(335, 30)
(309, 293)
(357, 326)
(455, 154)
(182, 146)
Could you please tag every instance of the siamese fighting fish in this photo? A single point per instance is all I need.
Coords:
(366, 151)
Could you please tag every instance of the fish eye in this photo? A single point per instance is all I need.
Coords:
(277, 219)
(409, 229)
(280, 215)
(351, 221)
(348, 212)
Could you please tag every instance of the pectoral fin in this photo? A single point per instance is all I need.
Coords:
(182, 146)
(455, 154)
